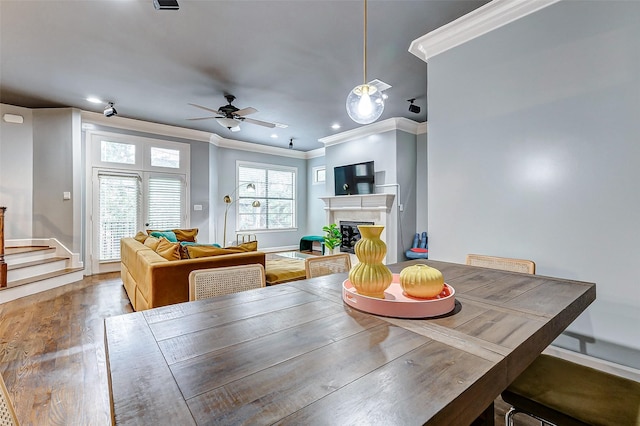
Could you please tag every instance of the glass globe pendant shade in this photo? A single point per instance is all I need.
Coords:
(365, 104)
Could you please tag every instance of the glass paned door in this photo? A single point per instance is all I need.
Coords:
(127, 202)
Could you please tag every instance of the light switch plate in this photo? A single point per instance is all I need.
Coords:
(197, 207)
(66, 195)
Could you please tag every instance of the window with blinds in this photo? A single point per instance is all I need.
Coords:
(120, 205)
(275, 191)
(165, 197)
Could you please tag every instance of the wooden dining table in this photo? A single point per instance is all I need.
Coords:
(296, 354)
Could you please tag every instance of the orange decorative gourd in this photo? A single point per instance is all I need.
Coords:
(421, 281)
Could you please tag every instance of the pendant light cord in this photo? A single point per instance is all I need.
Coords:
(365, 43)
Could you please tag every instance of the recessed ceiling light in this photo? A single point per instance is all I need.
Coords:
(335, 126)
(94, 100)
(274, 136)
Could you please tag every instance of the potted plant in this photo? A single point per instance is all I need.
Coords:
(332, 237)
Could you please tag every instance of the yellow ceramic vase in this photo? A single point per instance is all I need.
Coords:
(370, 277)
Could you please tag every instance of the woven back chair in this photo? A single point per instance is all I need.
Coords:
(206, 283)
(502, 263)
(325, 265)
(7, 414)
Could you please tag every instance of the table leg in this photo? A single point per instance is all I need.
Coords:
(487, 418)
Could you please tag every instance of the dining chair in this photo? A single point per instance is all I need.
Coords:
(206, 283)
(7, 413)
(318, 266)
(502, 263)
(559, 392)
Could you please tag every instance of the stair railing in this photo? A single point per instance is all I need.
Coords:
(3, 265)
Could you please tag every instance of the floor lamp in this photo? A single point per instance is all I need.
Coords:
(229, 201)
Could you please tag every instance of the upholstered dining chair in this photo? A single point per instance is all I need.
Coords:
(502, 263)
(7, 413)
(206, 283)
(318, 266)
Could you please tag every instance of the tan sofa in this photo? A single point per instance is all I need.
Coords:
(152, 281)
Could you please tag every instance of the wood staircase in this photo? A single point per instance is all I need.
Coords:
(35, 268)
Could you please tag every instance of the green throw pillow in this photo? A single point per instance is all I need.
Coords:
(169, 235)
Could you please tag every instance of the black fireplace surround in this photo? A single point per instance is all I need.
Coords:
(350, 235)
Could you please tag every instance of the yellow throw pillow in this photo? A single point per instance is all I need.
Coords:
(186, 234)
(152, 242)
(250, 246)
(206, 251)
(168, 250)
(140, 237)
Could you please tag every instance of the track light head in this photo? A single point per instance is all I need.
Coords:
(109, 110)
(413, 108)
(166, 4)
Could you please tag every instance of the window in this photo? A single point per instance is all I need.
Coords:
(115, 152)
(163, 157)
(275, 191)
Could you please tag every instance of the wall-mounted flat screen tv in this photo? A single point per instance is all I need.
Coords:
(354, 179)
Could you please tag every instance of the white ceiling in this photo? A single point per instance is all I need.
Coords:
(294, 61)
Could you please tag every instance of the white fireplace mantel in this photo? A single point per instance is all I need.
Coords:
(376, 208)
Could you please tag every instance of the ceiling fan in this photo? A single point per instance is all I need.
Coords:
(230, 116)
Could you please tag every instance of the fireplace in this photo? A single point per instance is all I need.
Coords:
(350, 235)
(368, 208)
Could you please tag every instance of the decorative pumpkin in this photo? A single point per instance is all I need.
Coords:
(421, 281)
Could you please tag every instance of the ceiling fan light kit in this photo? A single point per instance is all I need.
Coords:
(230, 116)
(365, 102)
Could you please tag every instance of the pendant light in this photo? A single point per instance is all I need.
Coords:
(365, 103)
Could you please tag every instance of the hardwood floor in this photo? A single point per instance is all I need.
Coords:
(52, 353)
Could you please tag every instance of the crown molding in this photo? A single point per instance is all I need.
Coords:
(190, 134)
(422, 128)
(390, 124)
(320, 152)
(255, 147)
(145, 126)
(482, 20)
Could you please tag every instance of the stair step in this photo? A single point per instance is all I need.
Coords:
(41, 277)
(21, 265)
(13, 255)
(19, 271)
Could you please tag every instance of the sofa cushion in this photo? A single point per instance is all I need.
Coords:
(169, 235)
(168, 250)
(184, 244)
(249, 246)
(140, 237)
(152, 242)
(197, 251)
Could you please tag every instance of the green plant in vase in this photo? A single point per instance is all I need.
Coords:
(332, 237)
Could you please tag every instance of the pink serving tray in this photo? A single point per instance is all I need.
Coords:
(396, 303)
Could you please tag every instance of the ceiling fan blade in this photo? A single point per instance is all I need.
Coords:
(200, 118)
(207, 109)
(245, 111)
(260, 123)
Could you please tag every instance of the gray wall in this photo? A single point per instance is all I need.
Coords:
(225, 172)
(316, 216)
(394, 154)
(422, 222)
(16, 173)
(534, 153)
(56, 135)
